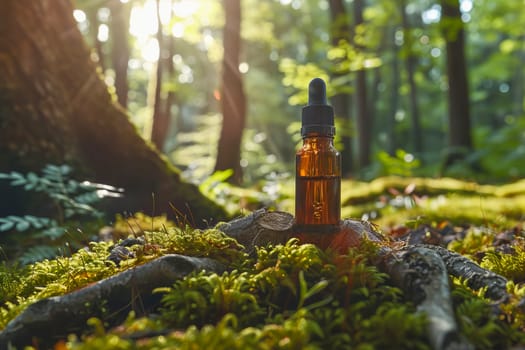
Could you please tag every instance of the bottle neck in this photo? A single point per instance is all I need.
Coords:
(318, 139)
(321, 129)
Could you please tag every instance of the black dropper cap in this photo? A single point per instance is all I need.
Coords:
(317, 116)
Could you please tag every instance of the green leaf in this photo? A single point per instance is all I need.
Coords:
(37, 253)
(6, 225)
(18, 182)
(52, 172)
(52, 232)
(32, 177)
(318, 287)
(37, 222)
(65, 169)
(29, 186)
(217, 177)
(22, 226)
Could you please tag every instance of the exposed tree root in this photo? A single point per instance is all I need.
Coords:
(421, 271)
(114, 297)
(474, 275)
(422, 274)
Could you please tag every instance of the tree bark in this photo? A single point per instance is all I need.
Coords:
(340, 31)
(460, 140)
(233, 99)
(474, 276)
(56, 109)
(422, 274)
(120, 51)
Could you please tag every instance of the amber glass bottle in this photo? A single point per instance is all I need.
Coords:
(318, 166)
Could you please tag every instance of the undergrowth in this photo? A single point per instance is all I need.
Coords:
(22, 286)
(73, 204)
(291, 296)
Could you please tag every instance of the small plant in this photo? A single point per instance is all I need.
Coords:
(71, 198)
(402, 163)
(508, 264)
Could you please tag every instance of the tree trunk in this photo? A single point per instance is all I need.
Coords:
(233, 99)
(364, 117)
(159, 129)
(410, 64)
(340, 31)
(120, 51)
(394, 97)
(56, 109)
(460, 140)
(171, 97)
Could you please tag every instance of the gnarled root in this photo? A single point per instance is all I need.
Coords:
(56, 317)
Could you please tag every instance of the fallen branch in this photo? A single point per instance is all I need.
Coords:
(56, 317)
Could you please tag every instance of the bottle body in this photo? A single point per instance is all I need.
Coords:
(318, 184)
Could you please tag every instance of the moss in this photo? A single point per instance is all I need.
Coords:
(64, 274)
(291, 297)
(480, 324)
(288, 296)
(455, 208)
(56, 277)
(508, 264)
(475, 242)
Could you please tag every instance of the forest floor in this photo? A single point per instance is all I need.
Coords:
(291, 296)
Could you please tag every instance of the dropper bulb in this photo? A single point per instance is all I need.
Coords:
(317, 92)
(317, 117)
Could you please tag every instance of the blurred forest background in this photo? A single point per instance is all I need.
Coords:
(419, 87)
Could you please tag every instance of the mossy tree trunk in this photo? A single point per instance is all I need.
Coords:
(54, 108)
